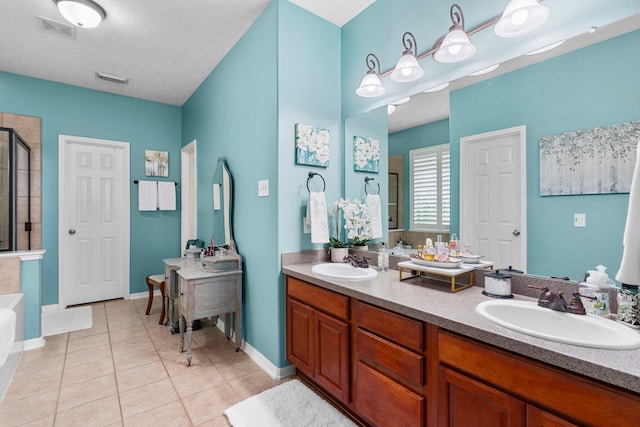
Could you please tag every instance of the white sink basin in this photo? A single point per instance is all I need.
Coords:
(587, 331)
(344, 271)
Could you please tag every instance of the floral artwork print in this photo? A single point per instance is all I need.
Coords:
(312, 146)
(366, 154)
(156, 163)
(593, 161)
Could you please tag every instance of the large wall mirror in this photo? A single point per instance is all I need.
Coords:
(559, 91)
(223, 205)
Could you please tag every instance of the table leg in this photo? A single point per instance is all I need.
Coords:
(238, 327)
(181, 334)
(189, 331)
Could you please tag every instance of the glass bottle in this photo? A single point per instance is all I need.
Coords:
(383, 258)
(453, 245)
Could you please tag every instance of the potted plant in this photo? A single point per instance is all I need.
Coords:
(337, 249)
(357, 222)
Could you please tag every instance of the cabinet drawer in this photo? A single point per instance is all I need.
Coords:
(402, 363)
(322, 299)
(383, 402)
(395, 327)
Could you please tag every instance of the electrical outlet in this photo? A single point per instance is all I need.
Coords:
(263, 188)
(580, 220)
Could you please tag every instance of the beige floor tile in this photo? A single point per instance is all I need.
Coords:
(132, 344)
(87, 371)
(135, 331)
(253, 383)
(87, 342)
(87, 355)
(141, 375)
(205, 405)
(42, 422)
(237, 367)
(124, 323)
(25, 385)
(86, 391)
(40, 366)
(172, 414)
(135, 358)
(33, 407)
(149, 396)
(220, 421)
(176, 362)
(94, 330)
(101, 412)
(222, 352)
(196, 379)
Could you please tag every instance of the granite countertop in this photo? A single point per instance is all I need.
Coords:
(435, 304)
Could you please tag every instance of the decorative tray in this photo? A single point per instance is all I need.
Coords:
(436, 264)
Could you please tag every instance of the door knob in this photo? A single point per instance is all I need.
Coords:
(516, 232)
(72, 231)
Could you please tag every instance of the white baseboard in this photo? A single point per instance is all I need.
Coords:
(265, 364)
(34, 343)
(51, 307)
(141, 295)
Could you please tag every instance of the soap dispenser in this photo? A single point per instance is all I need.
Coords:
(595, 290)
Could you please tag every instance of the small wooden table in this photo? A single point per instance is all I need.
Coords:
(452, 273)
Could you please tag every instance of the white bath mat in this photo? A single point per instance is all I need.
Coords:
(67, 320)
(291, 404)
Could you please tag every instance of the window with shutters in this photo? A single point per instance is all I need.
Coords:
(430, 188)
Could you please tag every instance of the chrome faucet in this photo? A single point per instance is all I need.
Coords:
(356, 261)
(548, 299)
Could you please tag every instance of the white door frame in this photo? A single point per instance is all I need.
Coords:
(521, 133)
(188, 195)
(63, 142)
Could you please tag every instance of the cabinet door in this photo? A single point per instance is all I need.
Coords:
(536, 417)
(384, 402)
(332, 355)
(300, 336)
(464, 402)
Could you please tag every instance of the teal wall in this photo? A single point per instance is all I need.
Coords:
(284, 70)
(592, 87)
(400, 143)
(71, 110)
(30, 286)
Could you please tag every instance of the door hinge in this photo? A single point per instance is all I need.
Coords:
(27, 226)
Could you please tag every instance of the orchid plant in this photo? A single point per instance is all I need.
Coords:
(357, 221)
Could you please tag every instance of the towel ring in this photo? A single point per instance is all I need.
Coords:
(366, 181)
(311, 175)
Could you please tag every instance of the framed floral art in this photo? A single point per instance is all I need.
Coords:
(312, 146)
(366, 154)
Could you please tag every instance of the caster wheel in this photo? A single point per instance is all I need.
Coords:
(181, 349)
(188, 363)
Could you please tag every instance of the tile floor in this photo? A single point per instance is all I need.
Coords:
(128, 371)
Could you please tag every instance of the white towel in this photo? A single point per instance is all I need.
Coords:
(7, 333)
(147, 195)
(317, 217)
(167, 196)
(630, 266)
(375, 212)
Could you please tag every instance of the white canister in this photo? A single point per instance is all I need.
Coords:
(338, 254)
(497, 285)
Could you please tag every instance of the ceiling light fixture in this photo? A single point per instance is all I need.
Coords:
(521, 17)
(455, 46)
(371, 86)
(546, 48)
(437, 88)
(407, 68)
(81, 13)
(485, 70)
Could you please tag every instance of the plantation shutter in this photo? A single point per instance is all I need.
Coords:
(430, 188)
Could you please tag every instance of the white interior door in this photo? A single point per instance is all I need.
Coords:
(94, 220)
(493, 196)
(188, 221)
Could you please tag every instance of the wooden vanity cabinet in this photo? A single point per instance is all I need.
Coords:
(505, 389)
(390, 367)
(318, 335)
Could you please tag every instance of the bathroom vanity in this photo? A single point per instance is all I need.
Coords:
(394, 352)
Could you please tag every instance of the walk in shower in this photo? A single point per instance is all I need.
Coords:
(15, 192)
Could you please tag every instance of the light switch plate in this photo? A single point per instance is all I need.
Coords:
(263, 188)
(580, 220)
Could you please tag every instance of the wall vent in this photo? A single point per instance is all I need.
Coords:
(111, 78)
(51, 26)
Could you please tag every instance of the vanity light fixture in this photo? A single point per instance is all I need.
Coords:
(437, 88)
(81, 13)
(371, 86)
(546, 48)
(486, 70)
(407, 68)
(456, 45)
(521, 17)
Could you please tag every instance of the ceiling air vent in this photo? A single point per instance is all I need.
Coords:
(58, 28)
(111, 78)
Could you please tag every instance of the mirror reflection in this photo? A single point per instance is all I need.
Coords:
(223, 205)
(559, 92)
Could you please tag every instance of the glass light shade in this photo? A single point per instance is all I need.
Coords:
(391, 109)
(407, 69)
(81, 13)
(455, 47)
(520, 17)
(370, 86)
